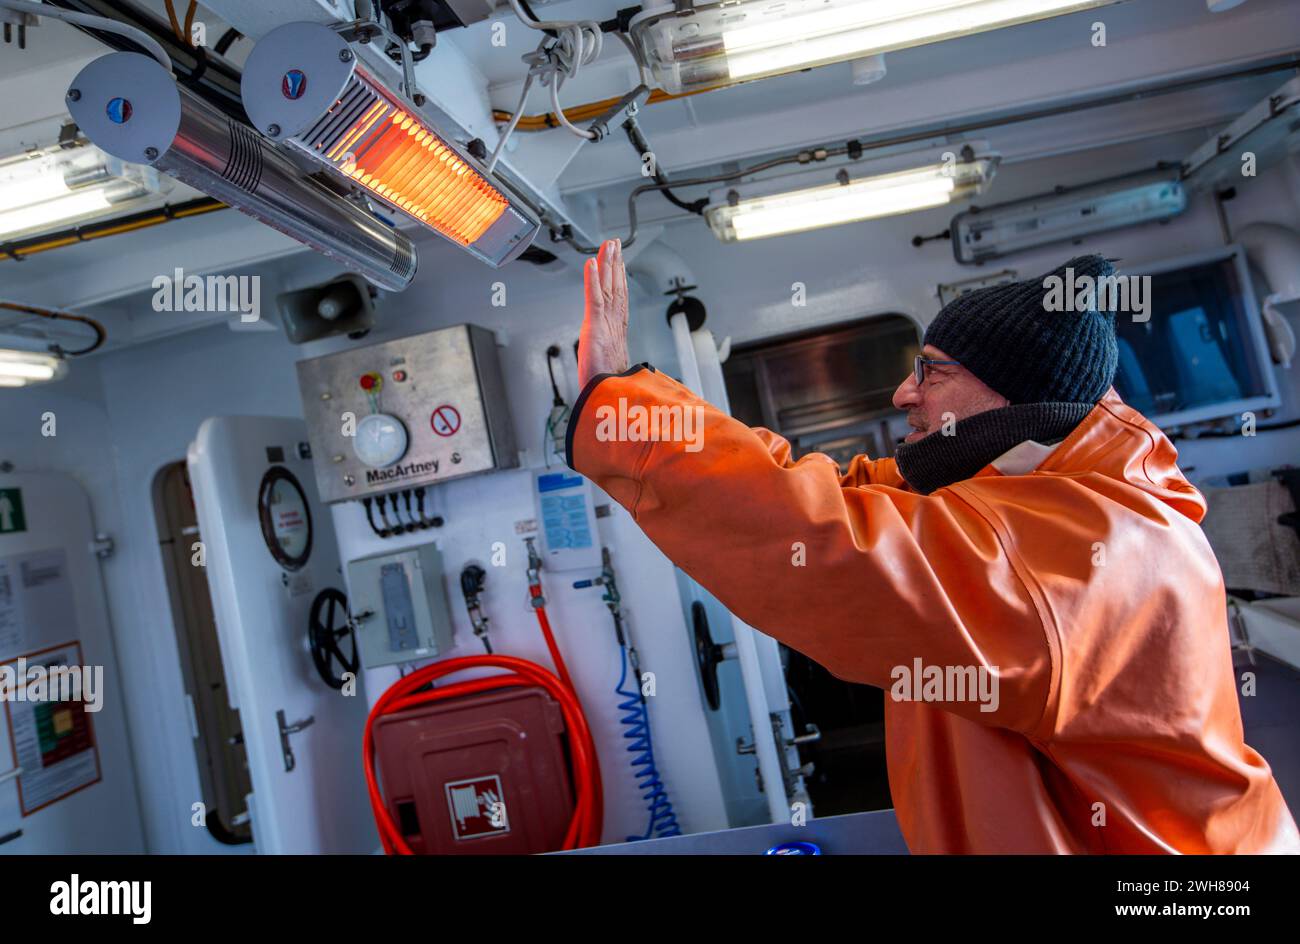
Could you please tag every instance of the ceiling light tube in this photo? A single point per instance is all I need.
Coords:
(23, 368)
(65, 186)
(723, 43)
(132, 108)
(850, 193)
(1069, 214)
(302, 84)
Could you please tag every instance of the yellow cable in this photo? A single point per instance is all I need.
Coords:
(584, 112)
(171, 15)
(189, 21)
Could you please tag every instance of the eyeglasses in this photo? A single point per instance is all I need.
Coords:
(921, 362)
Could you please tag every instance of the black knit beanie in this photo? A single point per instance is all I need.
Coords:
(1006, 336)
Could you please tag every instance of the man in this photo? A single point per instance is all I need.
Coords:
(1033, 539)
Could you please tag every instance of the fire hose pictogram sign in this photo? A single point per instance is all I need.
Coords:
(477, 807)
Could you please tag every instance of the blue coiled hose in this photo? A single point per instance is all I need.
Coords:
(635, 718)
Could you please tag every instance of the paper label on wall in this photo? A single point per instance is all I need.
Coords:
(53, 741)
(36, 601)
(298, 584)
(564, 511)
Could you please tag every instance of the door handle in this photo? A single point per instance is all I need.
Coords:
(286, 748)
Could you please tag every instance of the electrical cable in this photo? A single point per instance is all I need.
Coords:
(368, 502)
(206, 73)
(568, 46)
(806, 156)
(137, 36)
(643, 148)
(189, 22)
(171, 16)
(513, 123)
(100, 334)
(552, 353)
(646, 78)
(228, 39)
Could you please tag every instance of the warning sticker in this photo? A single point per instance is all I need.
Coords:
(477, 807)
(12, 519)
(445, 420)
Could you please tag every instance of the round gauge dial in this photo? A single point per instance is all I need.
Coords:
(285, 518)
(380, 441)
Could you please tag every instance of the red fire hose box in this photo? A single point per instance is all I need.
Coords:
(482, 774)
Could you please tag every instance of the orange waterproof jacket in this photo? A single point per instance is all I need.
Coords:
(1085, 589)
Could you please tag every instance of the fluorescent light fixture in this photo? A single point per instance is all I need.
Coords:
(722, 43)
(57, 187)
(850, 192)
(302, 84)
(23, 368)
(985, 233)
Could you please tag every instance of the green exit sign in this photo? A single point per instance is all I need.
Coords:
(12, 519)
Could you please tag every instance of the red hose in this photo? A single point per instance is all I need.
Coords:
(585, 826)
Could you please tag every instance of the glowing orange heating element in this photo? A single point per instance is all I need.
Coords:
(400, 160)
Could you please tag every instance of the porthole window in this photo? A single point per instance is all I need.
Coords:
(285, 518)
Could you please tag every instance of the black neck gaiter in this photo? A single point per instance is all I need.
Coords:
(939, 460)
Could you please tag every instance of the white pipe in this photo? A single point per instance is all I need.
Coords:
(659, 269)
(747, 639)
(710, 367)
(686, 355)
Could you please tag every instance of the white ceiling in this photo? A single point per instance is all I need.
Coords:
(978, 77)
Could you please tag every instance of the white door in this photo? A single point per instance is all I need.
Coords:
(270, 550)
(75, 790)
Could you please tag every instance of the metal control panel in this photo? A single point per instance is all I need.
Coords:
(399, 606)
(409, 412)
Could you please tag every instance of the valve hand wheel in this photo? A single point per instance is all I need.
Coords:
(332, 639)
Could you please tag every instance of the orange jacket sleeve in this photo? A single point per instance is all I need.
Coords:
(862, 471)
(863, 578)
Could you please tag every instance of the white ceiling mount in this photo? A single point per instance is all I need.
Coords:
(1263, 135)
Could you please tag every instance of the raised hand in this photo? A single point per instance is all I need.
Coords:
(602, 345)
